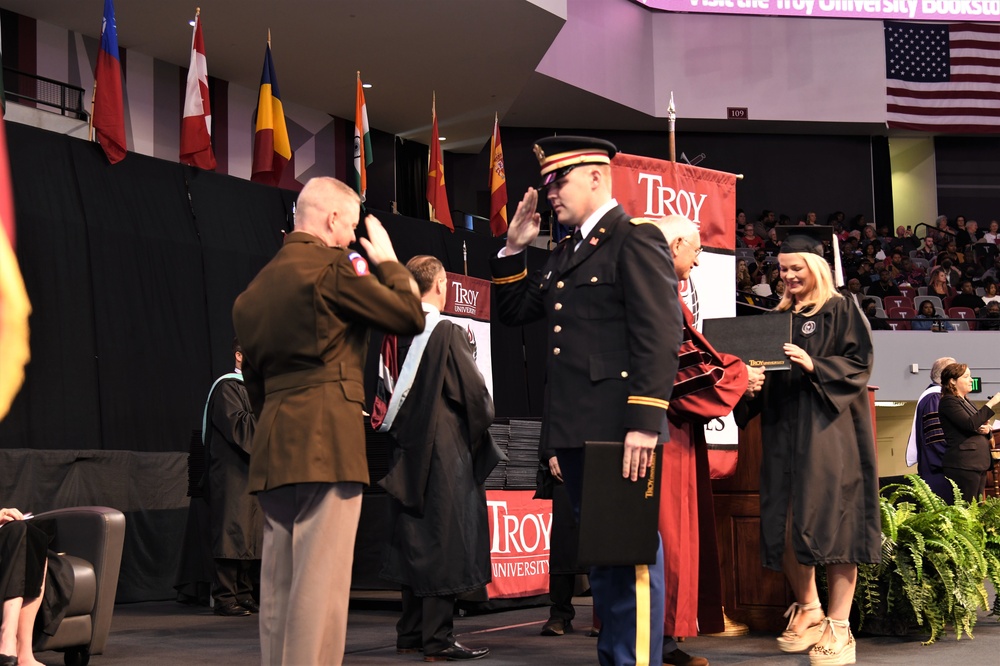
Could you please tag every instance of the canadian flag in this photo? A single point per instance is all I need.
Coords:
(196, 125)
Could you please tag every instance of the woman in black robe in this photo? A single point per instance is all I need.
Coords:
(819, 485)
(23, 550)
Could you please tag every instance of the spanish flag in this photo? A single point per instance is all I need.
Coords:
(437, 196)
(14, 305)
(271, 148)
(498, 184)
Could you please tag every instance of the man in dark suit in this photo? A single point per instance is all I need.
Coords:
(609, 295)
(304, 323)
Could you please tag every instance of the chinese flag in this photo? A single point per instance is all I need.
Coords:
(437, 197)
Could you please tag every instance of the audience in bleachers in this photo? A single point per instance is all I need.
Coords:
(886, 265)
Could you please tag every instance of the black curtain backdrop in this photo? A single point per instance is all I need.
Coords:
(411, 178)
(132, 271)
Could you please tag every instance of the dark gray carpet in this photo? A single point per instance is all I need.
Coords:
(168, 633)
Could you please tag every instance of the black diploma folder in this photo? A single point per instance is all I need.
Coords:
(618, 517)
(758, 340)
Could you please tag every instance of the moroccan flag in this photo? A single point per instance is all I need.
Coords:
(196, 124)
(271, 148)
(498, 184)
(14, 305)
(109, 104)
(362, 143)
(437, 197)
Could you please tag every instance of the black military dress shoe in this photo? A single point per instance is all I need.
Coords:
(8, 660)
(457, 652)
(250, 605)
(557, 627)
(681, 658)
(232, 609)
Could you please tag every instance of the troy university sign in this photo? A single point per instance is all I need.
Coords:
(646, 187)
(520, 532)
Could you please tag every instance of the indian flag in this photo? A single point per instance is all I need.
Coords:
(362, 143)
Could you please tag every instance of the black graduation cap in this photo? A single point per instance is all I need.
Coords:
(804, 238)
(558, 155)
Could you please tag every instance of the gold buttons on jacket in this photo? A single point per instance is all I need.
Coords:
(560, 284)
(624, 374)
(555, 352)
(557, 306)
(593, 279)
(556, 328)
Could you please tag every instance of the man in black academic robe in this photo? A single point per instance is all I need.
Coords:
(439, 419)
(236, 521)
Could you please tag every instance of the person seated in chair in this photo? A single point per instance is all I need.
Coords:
(989, 317)
(928, 319)
(871, 312)
(967, 297)
(23, 550)
(885, 286)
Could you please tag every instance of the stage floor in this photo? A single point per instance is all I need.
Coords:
(170, 633)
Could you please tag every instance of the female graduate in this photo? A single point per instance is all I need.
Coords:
(818, 481)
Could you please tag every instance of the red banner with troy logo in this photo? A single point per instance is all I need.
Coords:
(646, 187)
(520, 532)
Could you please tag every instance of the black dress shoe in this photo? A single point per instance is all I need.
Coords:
(681, 658)
(250, 605)
(8, 660)
(232, 609)
(457, 652)
(557, 627)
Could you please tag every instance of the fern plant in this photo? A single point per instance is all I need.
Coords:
(935, 559)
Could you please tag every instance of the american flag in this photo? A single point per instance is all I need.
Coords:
(941, 77)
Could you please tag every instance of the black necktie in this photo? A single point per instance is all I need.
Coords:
(567, 254)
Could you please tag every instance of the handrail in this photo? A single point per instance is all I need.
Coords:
(31, 89)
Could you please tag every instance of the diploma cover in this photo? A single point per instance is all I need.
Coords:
(618, 517)
(758, 340)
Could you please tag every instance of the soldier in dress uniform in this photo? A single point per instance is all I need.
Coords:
(609, 295)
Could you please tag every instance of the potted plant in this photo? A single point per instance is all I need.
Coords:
(935, 559)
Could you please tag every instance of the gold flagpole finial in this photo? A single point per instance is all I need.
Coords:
(197, 12)
(268, 36)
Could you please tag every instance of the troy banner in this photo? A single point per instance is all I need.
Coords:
(520, 530)
(647, 187)
(468, 306)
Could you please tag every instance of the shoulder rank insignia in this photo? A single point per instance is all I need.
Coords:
(642, 220)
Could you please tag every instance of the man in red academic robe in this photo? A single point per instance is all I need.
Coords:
(707, 386)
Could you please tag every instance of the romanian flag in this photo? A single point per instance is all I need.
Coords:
(14, 305)
(271, 148)
(498, 184)
(109, 104)
(437, 197)
(362, 143)
(196, 123)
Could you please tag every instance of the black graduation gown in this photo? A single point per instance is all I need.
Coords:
(442, 454)
(818, 447)
(236, 520)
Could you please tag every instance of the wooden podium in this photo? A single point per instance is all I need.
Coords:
(751, 594)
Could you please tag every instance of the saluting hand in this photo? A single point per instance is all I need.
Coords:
(377, 245)
(799, 357)
(523, 227)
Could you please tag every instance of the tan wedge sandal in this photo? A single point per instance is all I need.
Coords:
(789, 641)
(828, 656)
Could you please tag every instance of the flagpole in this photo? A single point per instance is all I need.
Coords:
(90, 124)
(465, 258)
(672, 118)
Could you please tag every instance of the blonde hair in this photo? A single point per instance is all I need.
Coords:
(822, 291)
